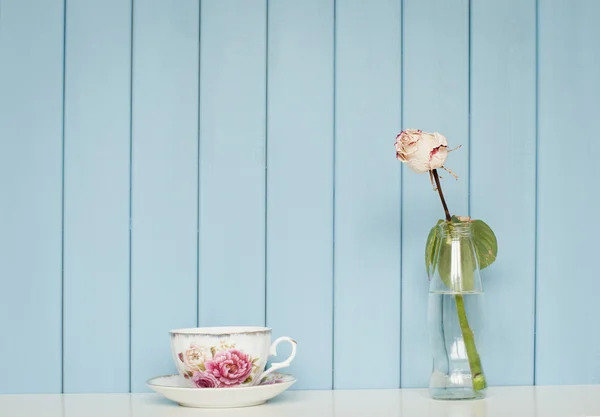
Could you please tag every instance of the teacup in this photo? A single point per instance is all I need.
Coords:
(224, 357)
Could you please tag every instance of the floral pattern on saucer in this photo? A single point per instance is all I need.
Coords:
(276, 378)
(220, 366)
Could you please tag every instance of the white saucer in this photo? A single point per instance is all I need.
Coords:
(175, 388)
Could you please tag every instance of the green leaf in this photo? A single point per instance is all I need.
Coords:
(430, 247)
(443, 261)
(213, 350)
(249, 379)
(485, 243)
(202, 367)
(467, 267)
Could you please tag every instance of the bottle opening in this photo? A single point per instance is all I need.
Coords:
(455, 230)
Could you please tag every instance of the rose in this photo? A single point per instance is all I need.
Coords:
(421, 151)
(195, 356)
(205, 380)
(230, 367)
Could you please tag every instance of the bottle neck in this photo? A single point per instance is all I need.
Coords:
(456, 267)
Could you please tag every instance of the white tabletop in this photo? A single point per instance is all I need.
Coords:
(502, 402)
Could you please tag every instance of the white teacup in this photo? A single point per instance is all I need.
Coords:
(223, 357)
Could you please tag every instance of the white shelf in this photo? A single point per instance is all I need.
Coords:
(555, 401)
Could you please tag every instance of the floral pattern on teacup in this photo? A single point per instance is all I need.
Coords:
(217, 366)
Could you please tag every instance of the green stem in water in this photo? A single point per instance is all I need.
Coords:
(477, 374)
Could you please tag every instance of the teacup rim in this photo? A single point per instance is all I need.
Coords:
(219, 330)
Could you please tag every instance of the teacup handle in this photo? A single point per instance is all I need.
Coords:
(273, 352)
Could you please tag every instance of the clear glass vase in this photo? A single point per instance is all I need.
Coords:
(455, 316)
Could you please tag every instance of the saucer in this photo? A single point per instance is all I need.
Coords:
(175, 388)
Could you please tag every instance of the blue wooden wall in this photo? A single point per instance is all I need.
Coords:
(168, 164)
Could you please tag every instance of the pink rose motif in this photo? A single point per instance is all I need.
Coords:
(230, 367)
(205, 380)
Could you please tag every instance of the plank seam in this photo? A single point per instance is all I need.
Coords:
(334, 132)
(535, 251)
(62, 251)
(198, 169)
(400, 170)
(130, 183)
(266, 152)
(469, 93)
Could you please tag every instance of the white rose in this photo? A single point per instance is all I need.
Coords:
(196, 356)
(421, 151)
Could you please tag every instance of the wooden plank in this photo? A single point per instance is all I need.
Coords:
(97, 143)
(435, 99)
(164, 181)
(300, 183)
(567, 336)
(232, 162)
(31, 80)
(367, 192)
(503, 154)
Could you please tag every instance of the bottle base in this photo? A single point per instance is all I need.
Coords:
(456, 394)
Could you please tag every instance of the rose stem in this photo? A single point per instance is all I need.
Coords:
(439, 189)
(477, 376)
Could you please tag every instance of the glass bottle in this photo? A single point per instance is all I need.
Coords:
(455, 316)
